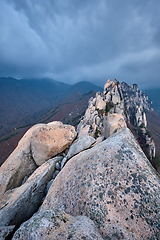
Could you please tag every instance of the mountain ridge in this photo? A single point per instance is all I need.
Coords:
(131, 104)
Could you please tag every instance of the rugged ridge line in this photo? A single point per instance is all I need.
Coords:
(94, 184)
(120, 98)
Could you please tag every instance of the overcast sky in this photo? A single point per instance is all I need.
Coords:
(77, 40)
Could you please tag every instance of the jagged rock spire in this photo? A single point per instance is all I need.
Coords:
(129, 102)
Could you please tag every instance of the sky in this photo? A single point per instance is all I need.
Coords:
(81, 40)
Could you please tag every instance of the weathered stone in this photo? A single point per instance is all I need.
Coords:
(97, 120)
(83, 130)
(113, 184)
(19, 164)
(100, 104)
(108, 97)
(18, 204)
(50, 140)
(57, 225)
(140, 117)
(40, 143)
(78, 146)
(108, 84)
(115, 95)
(119, 108)
(112, 124)
(5, 231)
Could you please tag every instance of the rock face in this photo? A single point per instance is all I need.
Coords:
(112, 124)
(56, 225)
(41, 142)
(114, 185)
(18, 204)
(119, 98)
(78, 146)
(104, 104)
(133, 96)
(18, 165)
(50, 140)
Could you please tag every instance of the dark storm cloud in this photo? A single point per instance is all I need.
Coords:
(81, 40)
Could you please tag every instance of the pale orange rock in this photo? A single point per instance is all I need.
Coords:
(50, 140)
(19, 164)
(40, 143)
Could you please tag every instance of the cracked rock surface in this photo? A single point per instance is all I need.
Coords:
(113, 184)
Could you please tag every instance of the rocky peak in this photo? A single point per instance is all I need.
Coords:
(135, 97)
(108, 84)
(134, 86)
(130, 103)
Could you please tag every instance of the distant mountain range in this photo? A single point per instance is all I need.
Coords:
(22, 102)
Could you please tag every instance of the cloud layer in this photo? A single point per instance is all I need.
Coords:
(74, 40)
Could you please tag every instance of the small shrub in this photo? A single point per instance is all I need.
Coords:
(100, 113)
(109, 106)
(157, 161)
(148, 133)
(96, 133)
(142, 125)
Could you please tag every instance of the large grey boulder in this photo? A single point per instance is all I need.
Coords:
(113, 184)
(57, 225)
(78, 146)
(18, 204)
